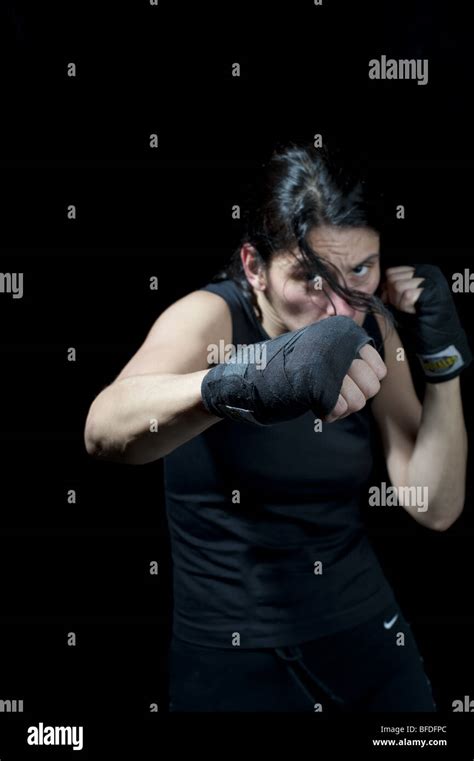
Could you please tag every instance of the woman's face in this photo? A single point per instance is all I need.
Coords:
(290, 300)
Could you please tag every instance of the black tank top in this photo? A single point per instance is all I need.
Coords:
(267, 541)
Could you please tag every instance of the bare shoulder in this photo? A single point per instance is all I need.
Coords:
(200, 311)
(179, 338)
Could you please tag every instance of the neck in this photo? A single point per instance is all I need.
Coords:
(270, 320)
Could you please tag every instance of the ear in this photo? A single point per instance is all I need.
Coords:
(252, 266)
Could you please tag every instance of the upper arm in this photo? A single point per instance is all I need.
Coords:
(178, 340)
(396, 407)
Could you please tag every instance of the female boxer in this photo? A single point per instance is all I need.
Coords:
(280, 603)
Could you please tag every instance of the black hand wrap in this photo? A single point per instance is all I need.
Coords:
(302, 370)
(440, 342)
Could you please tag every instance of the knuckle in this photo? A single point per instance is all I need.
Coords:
(340, 407)
(373, 387)
(357, 402)
(370, 384)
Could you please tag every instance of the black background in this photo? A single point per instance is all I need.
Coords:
(167, 212)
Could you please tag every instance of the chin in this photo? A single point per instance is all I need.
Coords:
(309, 321)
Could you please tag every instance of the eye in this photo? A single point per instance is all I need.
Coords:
(359, 267)
(305, 275)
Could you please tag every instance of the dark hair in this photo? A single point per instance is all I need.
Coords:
(300, 189)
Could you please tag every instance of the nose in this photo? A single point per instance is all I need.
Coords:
(336, 305)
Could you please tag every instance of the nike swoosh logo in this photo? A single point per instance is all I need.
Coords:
(389, 624)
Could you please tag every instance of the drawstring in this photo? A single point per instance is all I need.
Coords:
(295, 654)
(287, 657)
(301, 684)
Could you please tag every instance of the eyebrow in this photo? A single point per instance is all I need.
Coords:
(369, 258)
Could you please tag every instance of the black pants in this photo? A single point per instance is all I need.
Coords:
(364, 669)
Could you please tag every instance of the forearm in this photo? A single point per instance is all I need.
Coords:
(144, 417)
(438, 460)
